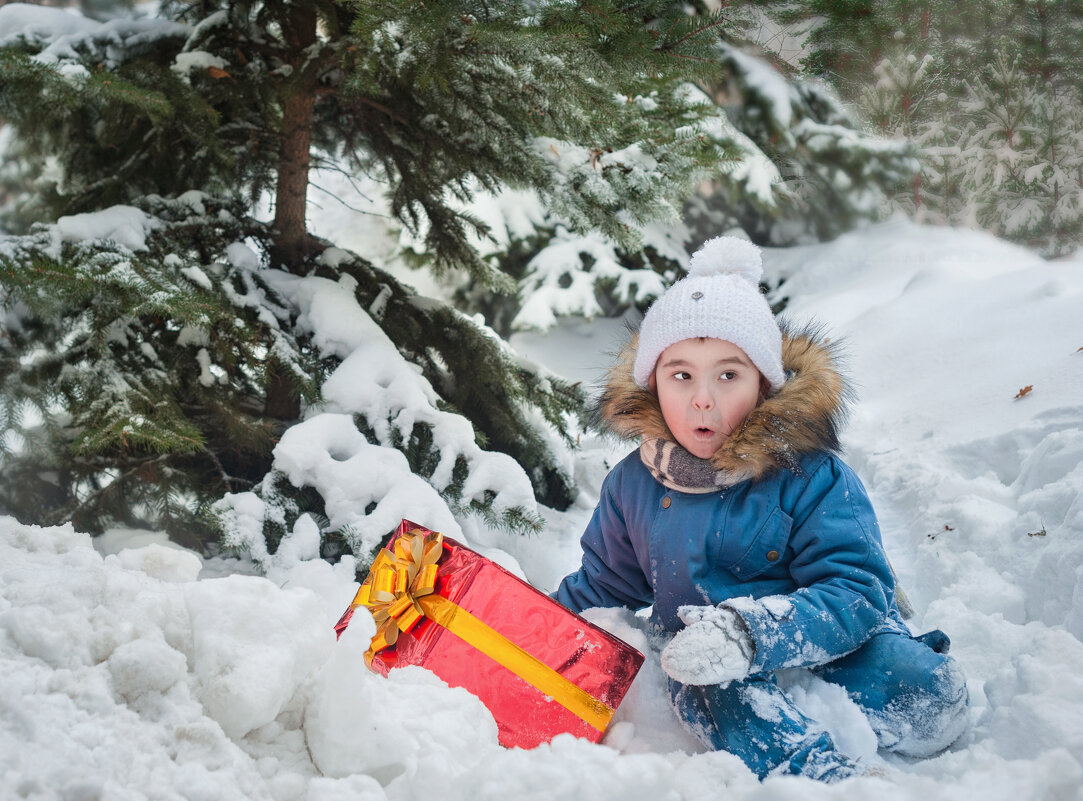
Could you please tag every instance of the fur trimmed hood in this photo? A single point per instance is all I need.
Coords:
(802, 417)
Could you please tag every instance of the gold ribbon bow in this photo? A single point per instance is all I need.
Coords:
(399, 591)
(395, 584)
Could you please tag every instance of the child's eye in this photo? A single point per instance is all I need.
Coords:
(729, 375)
(681, 375)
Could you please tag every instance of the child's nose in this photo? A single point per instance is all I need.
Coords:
(702, 399)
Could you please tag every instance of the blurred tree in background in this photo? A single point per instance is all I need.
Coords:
(990, 92)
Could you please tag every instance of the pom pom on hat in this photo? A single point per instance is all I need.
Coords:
(727, 254)
(719, 298)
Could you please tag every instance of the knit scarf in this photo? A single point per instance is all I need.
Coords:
(679, 470)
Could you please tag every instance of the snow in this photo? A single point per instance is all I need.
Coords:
(751, 169)
(327, 451)
(196, 276)
(148, 672)
(41, 23)
(766, 81)
(287, 641)
(184, 63)
(66, 35)
(125, 225)
(556, 284)
(368, 487)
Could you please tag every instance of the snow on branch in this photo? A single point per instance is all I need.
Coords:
(366, 482)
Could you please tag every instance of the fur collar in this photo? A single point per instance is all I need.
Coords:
(802, 417)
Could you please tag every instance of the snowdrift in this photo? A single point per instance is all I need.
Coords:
(132, 669)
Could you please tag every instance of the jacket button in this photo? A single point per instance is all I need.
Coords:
(666, 502)
(772, 556)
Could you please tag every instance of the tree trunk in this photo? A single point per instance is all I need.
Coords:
(1043, 24)
(283, 402)
(292, 243)
(298, 95)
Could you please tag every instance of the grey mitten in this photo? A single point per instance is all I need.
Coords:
(715, 648)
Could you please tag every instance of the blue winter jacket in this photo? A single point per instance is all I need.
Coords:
(805, 547)
(792, 544)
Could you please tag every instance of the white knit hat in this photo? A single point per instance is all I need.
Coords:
(719, 298)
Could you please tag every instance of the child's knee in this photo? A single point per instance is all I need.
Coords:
(913, 694)
(927, 714)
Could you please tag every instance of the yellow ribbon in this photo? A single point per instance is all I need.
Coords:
(396, 582)
(399, 591)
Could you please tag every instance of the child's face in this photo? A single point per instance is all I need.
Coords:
(706, 388)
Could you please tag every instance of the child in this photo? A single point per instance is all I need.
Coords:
(755, 543)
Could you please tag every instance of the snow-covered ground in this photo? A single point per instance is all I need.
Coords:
(133, 669)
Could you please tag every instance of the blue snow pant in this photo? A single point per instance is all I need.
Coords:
(912, 693)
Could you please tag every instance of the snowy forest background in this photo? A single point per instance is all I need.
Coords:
(526, 168)
(276, 275)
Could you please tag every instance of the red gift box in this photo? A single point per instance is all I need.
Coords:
(539, 668)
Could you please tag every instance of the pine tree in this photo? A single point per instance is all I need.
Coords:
(131, 394)
(896, 103)
(800, 168)
(942, 193)
(972, 86)
(131, 367)
(1058, 170)
(836, 175)
(1002, 103)
(1026, 168)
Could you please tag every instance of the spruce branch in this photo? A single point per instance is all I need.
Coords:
(696, 32)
